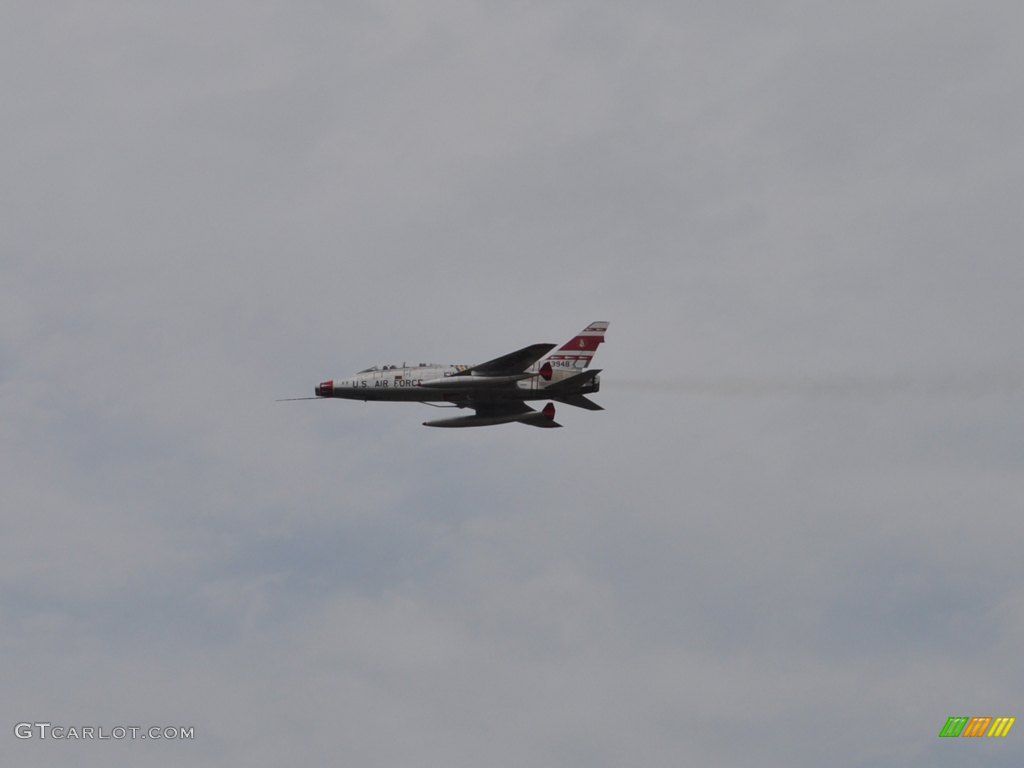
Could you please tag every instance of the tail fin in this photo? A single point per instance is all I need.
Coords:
(575, 354)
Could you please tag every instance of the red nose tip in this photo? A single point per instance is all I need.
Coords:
(549, 410)
(324, 389)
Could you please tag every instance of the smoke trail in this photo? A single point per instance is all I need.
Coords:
(1003, 384)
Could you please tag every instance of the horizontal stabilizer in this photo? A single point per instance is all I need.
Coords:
(580, 401)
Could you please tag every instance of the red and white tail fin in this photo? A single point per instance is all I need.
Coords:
(575, 354)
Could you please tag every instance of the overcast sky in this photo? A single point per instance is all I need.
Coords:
(205, 206)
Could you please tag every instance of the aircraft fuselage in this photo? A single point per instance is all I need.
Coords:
(446, 383)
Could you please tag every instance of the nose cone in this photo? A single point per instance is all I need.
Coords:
(324, 389)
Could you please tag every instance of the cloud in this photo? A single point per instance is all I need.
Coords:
(790, 537)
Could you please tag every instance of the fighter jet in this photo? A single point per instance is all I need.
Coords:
(497, 390)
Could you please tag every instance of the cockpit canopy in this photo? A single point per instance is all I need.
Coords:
(403, 365)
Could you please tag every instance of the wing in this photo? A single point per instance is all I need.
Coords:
(490, 410)
(488, 414)
(520, 412)
(512, 363)
(580, 401)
